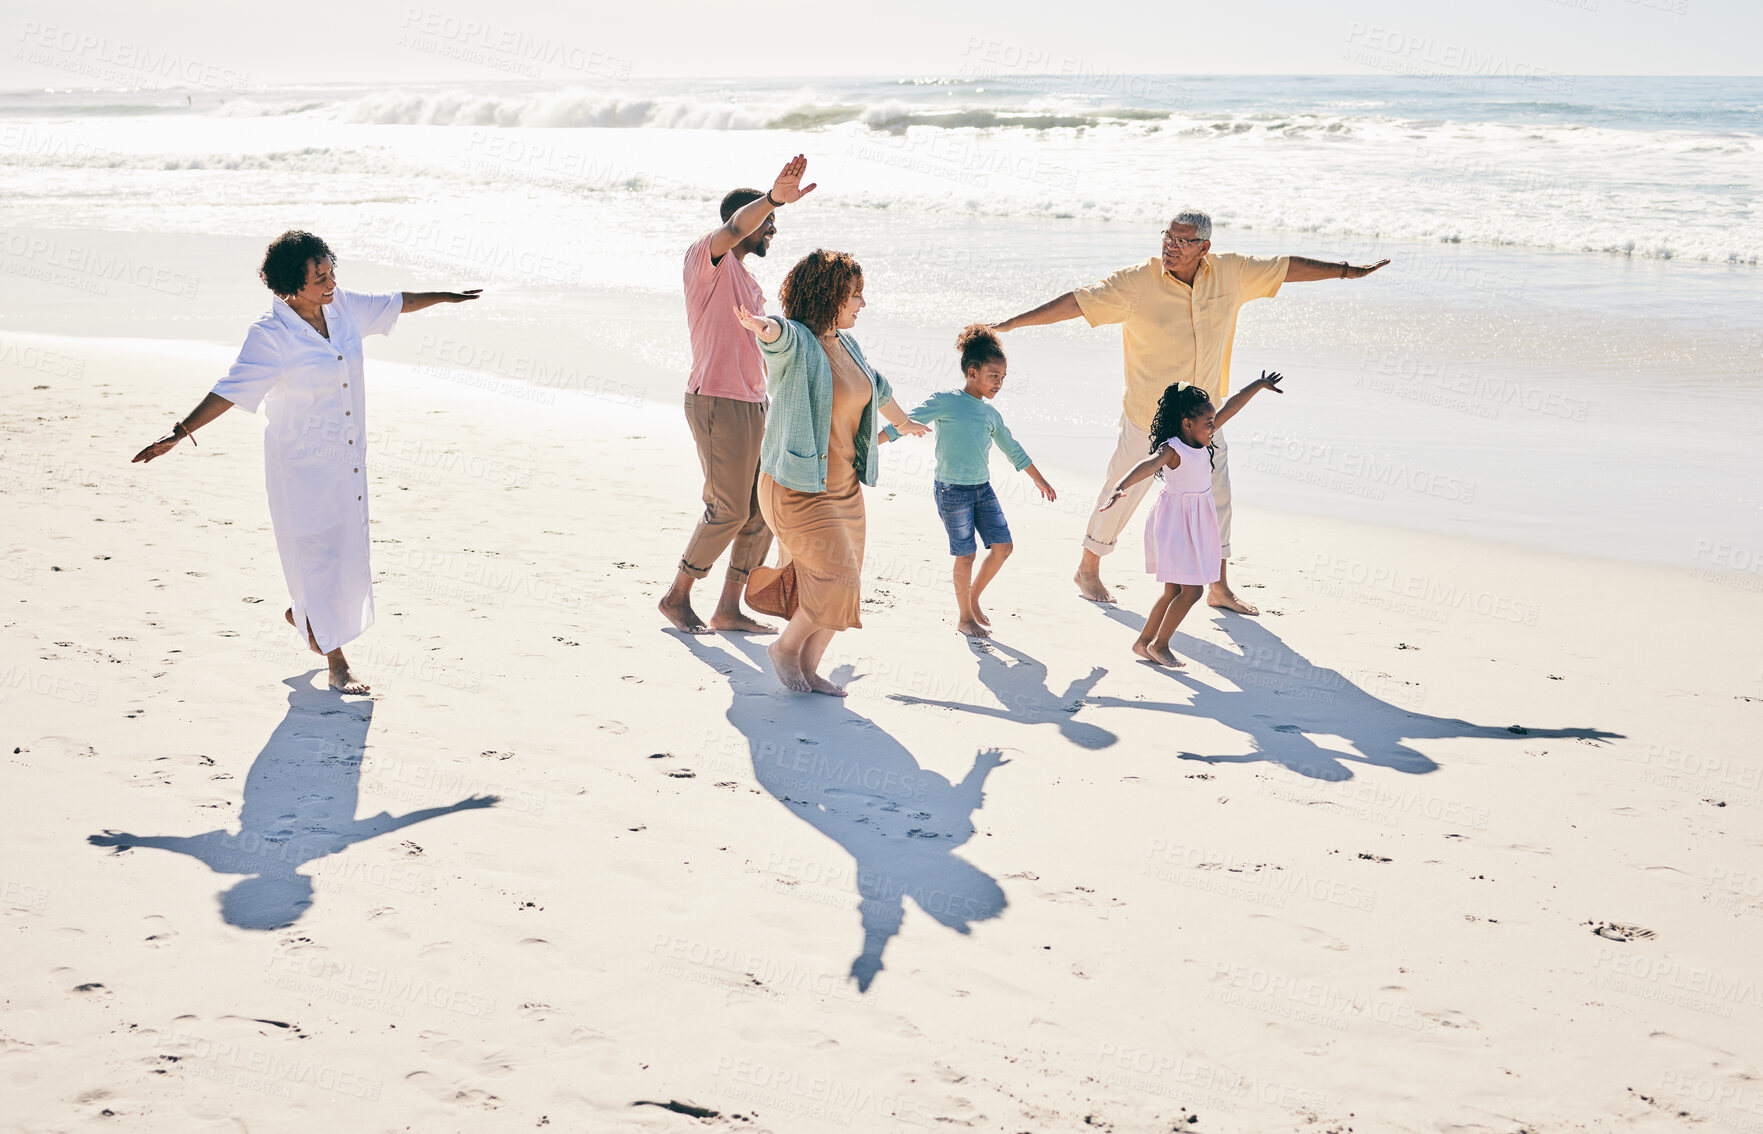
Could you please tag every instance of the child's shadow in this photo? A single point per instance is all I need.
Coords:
(299, 805)
(860, 787)
(1310, 699)
(1021, 688)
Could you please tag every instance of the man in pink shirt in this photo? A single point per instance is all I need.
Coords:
(725, 402)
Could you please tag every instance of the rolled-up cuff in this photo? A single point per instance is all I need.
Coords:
(694, 572)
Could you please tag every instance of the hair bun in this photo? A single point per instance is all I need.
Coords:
(977, 334)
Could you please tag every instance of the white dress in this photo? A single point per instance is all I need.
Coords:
(1181, 533)
(314, 458)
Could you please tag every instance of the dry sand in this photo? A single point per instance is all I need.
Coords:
(1343, 873)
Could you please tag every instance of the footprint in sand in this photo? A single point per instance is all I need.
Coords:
(160, 932)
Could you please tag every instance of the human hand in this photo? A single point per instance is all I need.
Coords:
(788, 188)
(1269, 381)
(1360, 271)
(758, 324)
(465, 296)
(1046, 489)
(912, 428)
(989, 758)
(1118, 493)
(159, 448)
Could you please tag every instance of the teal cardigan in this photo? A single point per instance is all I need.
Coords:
(799, 381)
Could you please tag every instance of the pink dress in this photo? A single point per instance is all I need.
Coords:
(1181, 533)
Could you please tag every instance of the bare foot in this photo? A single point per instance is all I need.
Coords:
(289, 615)
(820, 684)
(1089, 585)
(739, 623)
(789, 669)
(1225, 599)
(1157, 655)
(680, 613)
(345, 682)
(972, 629)
(979, 615)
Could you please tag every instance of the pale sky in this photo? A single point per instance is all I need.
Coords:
(598, 41)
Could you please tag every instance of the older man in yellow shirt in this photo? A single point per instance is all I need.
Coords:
(1178, 313)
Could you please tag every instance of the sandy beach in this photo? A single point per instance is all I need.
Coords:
(1457, 836)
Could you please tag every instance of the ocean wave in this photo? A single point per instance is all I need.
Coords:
(592, 109)
(582, 108)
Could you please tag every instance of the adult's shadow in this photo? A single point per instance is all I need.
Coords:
(843, 775)
(299, 805)
(1282, 698)
(1019, 682)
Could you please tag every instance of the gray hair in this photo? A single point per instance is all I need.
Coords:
(1202, 222)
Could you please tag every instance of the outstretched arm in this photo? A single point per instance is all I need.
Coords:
(1241, 398)
(417, 300)
(1166, 457)
(926, 414)
(1302, 269)
(901, 423)
(767, 328)
(380, 824)
(206, 411)
(1053, 311)
(787, 189)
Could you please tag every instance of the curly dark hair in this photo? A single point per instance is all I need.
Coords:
(1179, 403)
(818, 286)
(978, 345)
(284, 263)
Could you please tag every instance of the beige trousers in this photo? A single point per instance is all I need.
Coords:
(728, 432)
(1133, 446)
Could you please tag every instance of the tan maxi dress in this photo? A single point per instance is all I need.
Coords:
(822, 532)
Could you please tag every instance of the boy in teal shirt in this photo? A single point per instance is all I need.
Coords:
(966, 427)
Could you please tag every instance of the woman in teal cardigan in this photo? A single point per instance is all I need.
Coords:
(818, 451)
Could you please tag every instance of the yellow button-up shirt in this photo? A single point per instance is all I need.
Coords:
(1175, 333)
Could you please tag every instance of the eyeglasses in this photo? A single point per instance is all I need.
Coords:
(1181, 241)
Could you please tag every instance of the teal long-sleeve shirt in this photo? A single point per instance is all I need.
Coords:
(965, 426)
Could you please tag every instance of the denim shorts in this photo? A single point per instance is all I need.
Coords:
(966, 508)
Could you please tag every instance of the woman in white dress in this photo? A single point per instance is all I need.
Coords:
(301, 363)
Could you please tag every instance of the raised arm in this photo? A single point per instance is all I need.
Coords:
(1241, 398)
(417, 300)
(787, 189)
(206, 411)
(1053, 311)
(1302, 269)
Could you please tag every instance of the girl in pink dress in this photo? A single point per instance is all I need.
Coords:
(1181, 533)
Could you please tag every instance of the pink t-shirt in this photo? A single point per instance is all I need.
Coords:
(726, 362)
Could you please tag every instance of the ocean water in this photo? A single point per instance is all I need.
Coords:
(1566, 351)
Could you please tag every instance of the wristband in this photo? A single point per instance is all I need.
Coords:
(179, 427)
(1343, 269)
(776, 204)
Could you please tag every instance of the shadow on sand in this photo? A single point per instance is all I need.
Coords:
(1281, 700)
(299, 806)
(1019, 682)
(841, 774)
